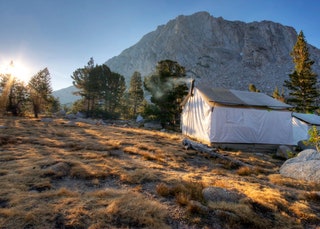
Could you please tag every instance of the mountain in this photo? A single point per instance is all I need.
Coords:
(66, 95)
(221, 53)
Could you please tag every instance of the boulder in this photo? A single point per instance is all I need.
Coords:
(216, 194)
(284, 152)
(305, 166)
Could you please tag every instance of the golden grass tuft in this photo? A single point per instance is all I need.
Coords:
(134, 209)
(312, 196)
(278, 179)
(303, 211)
(7, 139)
(138, 176)
(163, 190)
(183, 191)
(238, 214)
(246, 171)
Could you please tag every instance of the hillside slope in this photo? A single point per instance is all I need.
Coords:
(62, 174)
(66, 95)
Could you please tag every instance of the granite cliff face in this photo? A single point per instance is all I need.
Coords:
(229, 54)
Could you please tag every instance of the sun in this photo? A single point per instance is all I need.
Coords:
(17, 69)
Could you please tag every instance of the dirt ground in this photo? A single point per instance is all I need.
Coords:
(56, 173)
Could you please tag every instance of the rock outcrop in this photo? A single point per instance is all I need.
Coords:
(230, 54)
(305, 166)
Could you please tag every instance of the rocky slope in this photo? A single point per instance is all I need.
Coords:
(66, 95)
(230, 54)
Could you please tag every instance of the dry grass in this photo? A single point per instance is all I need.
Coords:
(88, 176)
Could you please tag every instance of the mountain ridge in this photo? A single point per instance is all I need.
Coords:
(218, 52)
(229, 54)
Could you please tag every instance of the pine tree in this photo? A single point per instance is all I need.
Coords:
(40, 91)
(135, 93)
(168, 88)
(86, 85)
(101, 89)
(302, 83)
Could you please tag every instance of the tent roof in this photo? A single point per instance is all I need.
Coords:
(308, 118)
(231, 97)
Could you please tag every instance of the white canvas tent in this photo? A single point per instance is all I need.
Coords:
(301, 124)
(216, 115)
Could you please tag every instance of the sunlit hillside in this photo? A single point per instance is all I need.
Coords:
(62, 174)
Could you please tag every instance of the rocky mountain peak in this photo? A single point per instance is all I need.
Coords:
(222, 53)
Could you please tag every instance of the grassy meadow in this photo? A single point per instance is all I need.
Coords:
(57, 175)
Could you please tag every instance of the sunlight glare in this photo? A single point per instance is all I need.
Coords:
(17, 69)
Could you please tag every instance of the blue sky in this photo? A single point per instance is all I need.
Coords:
(63, 34)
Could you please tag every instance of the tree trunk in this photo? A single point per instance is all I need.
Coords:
(211, 152)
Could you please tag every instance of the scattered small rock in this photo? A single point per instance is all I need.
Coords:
(71, 116)
(139, 119)
(70, 124)
(153, 125)
(216, 194)
(284, 151)
(197, 206)
(47, 120)
(59, 169)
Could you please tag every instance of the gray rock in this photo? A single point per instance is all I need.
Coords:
(47, 120)
(80, 115)
(216, 194)
(139, 119)
(284, 152)
(198, 206)
(71, 116)
(59, 169)
(61, 113)
(153, 125)
(305, 166)
(71, 124)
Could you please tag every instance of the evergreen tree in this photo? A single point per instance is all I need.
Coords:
(115, 89)
(40, 91)
(13, 95)
(135, 92)
(86, 83)
(18, 97)
(302, 83)
(168, 89)
(101, 89)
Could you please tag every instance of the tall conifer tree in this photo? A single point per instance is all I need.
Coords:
(302, 84)
(40, 91)
(135, 93)
(168, 88)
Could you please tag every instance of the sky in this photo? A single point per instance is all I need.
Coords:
(63, 35)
